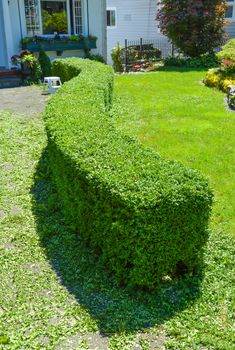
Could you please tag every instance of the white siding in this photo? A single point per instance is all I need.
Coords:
(15, 25)
(135, 19)
(231, 30)
(3, 58)
(6, 33)
(97, 25)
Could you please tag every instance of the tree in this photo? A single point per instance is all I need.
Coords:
(194, 26)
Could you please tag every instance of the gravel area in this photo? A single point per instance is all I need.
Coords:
(27, 100)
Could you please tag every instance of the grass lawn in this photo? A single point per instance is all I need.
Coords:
(181, 119)
(55, 295)
(173, 113)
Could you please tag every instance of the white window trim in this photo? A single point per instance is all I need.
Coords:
(23, 19)
(231, 3)
(84, 16)
(116, 17)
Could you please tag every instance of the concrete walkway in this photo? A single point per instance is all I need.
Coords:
(27, 100)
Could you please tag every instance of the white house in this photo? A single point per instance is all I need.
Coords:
(131, 20)
(45, 18)
(135, 19)
(230, 16)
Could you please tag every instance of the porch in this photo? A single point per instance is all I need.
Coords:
(10, 78)
(45, 19)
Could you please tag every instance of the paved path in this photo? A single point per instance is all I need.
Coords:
(26, 100)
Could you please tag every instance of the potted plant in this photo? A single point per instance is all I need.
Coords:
(28, 63)
(25, 60)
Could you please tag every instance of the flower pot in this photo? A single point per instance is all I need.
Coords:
(25, 69)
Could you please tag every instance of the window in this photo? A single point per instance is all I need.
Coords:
(53, 16)
(78, 17)
(229, 12)
(32, 17)
(111, 17)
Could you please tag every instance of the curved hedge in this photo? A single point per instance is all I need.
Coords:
(141, 213)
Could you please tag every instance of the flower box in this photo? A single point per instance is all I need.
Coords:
(59, 45)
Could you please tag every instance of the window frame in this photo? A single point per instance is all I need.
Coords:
(82, 17)
(231, 3)
(25, 19)
(68, 10)
(68, 20)
(115, 10)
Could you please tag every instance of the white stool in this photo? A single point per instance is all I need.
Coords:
(54, 83)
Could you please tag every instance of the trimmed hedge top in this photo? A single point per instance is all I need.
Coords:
(114, 190)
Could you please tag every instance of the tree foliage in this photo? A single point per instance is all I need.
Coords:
(194, 26)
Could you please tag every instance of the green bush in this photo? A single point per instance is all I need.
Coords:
(142, 214)
(217, 78)
(96, 57)
(203, 61)
(228, 51)
(195, 27)
(45, 64)
(116, 55)
(213, 78)
(223, 76)
(226, 57)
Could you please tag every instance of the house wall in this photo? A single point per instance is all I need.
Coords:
(97, 25)
(231, 30)
(94, 24)
(15, 25)
(3, 57)
(135, 19)
(6, 34)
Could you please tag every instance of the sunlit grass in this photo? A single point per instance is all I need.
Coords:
(54, 292)
(176, 115)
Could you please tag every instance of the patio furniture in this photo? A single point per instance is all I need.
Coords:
(54, 83)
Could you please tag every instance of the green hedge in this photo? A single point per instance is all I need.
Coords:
(141, 213)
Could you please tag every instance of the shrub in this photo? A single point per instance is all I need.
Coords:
(225, 75)
(175, 62)
(117, 59)
(228, 51)
(213, 78)
(195, 27)
(219, 79)
(45, 64)
(142, 214)
(96, 57)
(227, 56)
(203, 61)
(36, 72)
(224, 84)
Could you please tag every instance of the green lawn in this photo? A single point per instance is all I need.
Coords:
(54, 295)
(181, 119)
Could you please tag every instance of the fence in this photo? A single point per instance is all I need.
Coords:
(160, 47)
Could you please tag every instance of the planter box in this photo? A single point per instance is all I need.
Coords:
(60, 45)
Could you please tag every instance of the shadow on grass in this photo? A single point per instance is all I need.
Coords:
(115, 308)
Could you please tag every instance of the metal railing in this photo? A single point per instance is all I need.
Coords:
(140, 48)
